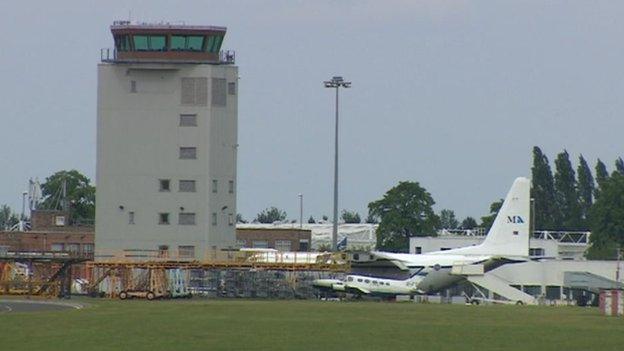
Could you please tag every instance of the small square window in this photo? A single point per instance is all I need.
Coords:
(163, 218)
(185, 218)
(164, 184)
(231, 187)
(283, 245)
(214, 218)
(215, 186)
(163, 251)
(59, 221)
(186, 251)
(58, 247)
(232, 88)
(131, 217)
(186, 186)
(73, 248)
(260, 244)
(188, 153)
(188, 120)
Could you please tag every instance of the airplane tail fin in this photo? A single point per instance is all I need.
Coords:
(509, 234)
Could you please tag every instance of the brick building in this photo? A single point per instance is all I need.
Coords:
(51, 232)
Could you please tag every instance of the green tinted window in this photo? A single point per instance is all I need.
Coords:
(122, 43)
(157, 42)
(210, 43)
(214, 43)
(178, 42)
(140, 42)
(195, 42)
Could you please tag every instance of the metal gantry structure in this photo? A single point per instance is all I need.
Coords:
(236, 275)
(37, 273)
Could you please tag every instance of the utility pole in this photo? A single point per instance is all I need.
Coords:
(300, 211)
(336, 82)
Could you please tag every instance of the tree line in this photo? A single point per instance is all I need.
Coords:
(565, 200)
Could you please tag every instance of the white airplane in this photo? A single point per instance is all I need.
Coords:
(506, 242)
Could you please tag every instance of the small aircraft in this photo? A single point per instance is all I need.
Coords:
(506, 242)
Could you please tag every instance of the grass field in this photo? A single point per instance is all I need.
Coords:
(308, 325)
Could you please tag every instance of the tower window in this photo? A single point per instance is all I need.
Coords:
(163, 218)
(231, 187)
(163, 251)
(188, 120)
(187, 42)
(215, 186)
(185, 218)
(186, 251)
(133, 86)
(131, 217)
(218, 92)
(194, 91)
(232, 88)
(213, 43)
(150, 43)
(214, 218)
(187, 186)
(188, 153)
(164, 184)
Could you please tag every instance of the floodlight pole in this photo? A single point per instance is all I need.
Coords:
(300, 211)
(336, 82)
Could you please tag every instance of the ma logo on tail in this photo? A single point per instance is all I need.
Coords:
(515, 219)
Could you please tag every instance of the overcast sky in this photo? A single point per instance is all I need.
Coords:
(452, 94)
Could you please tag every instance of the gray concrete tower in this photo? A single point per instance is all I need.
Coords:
(166, 143)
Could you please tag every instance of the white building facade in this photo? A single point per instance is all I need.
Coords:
(542, 244)
(166, 144)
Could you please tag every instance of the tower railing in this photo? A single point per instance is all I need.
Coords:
(225, 57)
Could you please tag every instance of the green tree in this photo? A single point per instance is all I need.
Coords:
(606, 218)
(543, 191)
(619, 166)
(240, 219)
(448, 220)
(487, 221)
(350, 217)
(469, 223)
(585, 190)
(270, 215)
(566, 196)
(405, 211)
(601, 176)
(311, 220)
(79, 194)
(7, 217)
(371, 219)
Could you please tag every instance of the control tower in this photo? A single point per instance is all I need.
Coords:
(166, 143)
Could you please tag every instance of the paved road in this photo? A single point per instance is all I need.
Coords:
(8, 306)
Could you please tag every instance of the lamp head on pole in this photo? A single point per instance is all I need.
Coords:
(337, 82)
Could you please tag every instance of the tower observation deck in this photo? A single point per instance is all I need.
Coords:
(144, 42)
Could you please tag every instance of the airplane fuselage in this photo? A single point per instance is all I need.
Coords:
(428, 273)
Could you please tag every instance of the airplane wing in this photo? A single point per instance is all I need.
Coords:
(357, 290)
